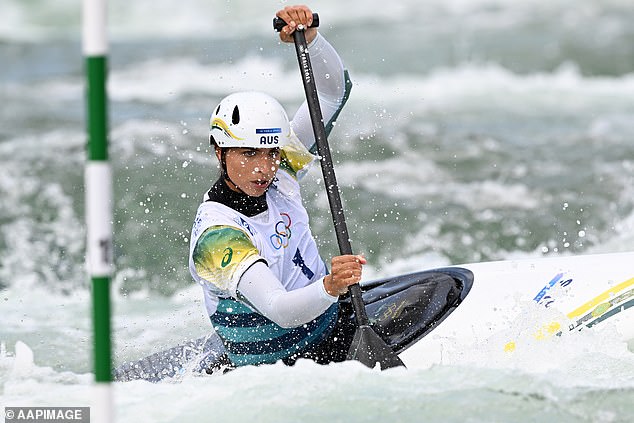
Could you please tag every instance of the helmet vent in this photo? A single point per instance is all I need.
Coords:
(217, 110)
(235, 118)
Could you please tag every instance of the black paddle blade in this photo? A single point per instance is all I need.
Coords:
(368, 348)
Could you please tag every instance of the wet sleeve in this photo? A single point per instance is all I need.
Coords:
(221, 255)
(296, 158)
(261, 290)
(333, 87)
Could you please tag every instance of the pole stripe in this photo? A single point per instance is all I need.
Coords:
(98, 180)
(101, 327)
(99, 204)
(95, 40)
(96, 74)
(102, 400)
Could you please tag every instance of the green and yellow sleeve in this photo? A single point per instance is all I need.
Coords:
(295, 158)
(222, 254)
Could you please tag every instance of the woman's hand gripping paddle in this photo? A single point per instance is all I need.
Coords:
(367, 347)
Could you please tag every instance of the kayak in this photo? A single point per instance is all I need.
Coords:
(401, 309)
(504, 303)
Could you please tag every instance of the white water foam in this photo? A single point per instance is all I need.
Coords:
(551, 378)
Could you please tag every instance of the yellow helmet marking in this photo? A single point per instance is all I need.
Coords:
(220, 124)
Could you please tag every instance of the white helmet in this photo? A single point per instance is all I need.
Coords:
(249, 119)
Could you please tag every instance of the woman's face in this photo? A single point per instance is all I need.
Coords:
(251, 169)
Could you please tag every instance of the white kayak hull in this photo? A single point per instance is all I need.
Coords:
(518, 301)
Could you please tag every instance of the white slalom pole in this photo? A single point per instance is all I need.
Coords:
(98, 184)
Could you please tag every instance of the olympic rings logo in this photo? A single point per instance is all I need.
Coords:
(282, 235)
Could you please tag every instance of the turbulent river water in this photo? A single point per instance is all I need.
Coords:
(476, 130)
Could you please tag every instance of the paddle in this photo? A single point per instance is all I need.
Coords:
(367, 347)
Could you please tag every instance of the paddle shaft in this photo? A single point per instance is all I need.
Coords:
(366, 347)
(327, 167)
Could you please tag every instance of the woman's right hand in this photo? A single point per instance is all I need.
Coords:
(346, 270)
(294, 16)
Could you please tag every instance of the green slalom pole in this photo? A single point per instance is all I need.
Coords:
(98, 185)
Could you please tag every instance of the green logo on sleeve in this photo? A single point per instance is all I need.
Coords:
(226, 259)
